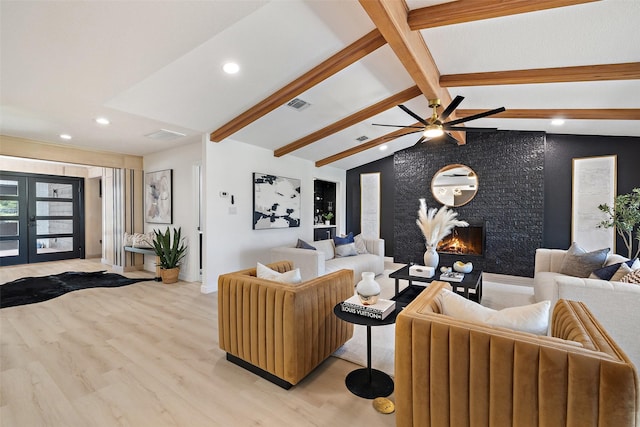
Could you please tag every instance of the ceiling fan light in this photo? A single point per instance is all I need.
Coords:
(433, 131)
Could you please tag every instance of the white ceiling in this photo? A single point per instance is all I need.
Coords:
(150, 65)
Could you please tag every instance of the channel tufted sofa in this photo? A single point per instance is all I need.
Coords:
(450, 372)
(281, 331)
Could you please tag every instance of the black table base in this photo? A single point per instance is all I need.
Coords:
(378, 385)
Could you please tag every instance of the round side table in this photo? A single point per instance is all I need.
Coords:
(367, 382)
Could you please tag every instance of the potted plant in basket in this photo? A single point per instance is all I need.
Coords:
(170, 253)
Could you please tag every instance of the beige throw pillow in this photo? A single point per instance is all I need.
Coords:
(633, 277)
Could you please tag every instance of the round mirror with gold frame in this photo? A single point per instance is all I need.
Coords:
(454, 185)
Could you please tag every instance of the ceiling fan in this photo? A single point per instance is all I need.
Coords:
(436, 127)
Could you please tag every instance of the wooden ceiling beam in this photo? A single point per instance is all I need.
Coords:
(347, 56)
(364, 146)
(390, 17)
(585, 73)
(461, 11)
(569, 114)
(351, 120)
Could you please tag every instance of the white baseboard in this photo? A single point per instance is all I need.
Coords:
(207, 289)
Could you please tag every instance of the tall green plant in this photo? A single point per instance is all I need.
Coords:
(625, 217)
(170, 251)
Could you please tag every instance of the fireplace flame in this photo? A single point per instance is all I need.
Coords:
(453, 244)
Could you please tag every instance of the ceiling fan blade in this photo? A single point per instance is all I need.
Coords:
(422, 138)
(468, 129)
(399, 126)
(449, 138)
(414, 115)
(447, 111)
(476, 116)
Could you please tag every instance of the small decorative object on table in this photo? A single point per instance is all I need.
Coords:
(380, 310)
(368, 289)
(452, 276)
(461, 267)
(436, 224)
(422, 271)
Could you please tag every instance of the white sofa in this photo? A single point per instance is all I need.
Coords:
(323, 260)
(614, 304)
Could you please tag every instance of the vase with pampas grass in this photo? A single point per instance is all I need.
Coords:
(435, 225)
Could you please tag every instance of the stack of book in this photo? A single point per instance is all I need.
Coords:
(452, 276)
(380, 310)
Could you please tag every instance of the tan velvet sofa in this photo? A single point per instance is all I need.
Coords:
(281, 331)
(455, 373)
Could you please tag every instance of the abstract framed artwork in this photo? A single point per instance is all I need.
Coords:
(276, 201)
(593, 184)
(158, 197)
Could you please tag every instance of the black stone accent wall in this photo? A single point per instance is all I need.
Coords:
(510, 198)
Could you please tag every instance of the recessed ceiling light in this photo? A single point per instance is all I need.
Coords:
(231, 68)
(557, 122)
(65, 136)
(102, 121)
(383, 147)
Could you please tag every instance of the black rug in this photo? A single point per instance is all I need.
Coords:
(37, 289)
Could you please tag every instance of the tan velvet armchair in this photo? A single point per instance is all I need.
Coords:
(279, 331)
(455, 373)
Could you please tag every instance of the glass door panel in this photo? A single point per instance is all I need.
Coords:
(55, 218)
(13, 219)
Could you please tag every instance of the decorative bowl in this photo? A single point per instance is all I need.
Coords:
(461, 267)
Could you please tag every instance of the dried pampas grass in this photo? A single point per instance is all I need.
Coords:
(437, 224)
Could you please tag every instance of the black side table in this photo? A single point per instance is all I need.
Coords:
(367, 382)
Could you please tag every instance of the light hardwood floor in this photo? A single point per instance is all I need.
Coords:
(147, 355)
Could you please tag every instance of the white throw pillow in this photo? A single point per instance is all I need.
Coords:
(533, 318)
(143, 240)
(361, 248)
(292, 276)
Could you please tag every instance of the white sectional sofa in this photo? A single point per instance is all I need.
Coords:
(323, 260)
(615, 304)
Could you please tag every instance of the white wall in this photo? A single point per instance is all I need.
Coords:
(183, 160)
(231, 243)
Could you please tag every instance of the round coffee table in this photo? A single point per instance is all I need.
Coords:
(367, 382)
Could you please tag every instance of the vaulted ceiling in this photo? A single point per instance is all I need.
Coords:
(158, 65)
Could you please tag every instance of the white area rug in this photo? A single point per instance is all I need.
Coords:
(494, 295)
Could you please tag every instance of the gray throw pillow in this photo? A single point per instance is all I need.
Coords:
(346, 250)
(304, 245)
(579, 263)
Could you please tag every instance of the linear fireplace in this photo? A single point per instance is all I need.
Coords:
(464, 241)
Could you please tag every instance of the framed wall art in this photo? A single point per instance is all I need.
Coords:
(158, 197)
(276, 201)
(593, 183)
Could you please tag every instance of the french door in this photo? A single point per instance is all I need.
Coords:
(41, 218)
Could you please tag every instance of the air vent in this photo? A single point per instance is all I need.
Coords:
(362, 138)
(298, 104)
(165, 135)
